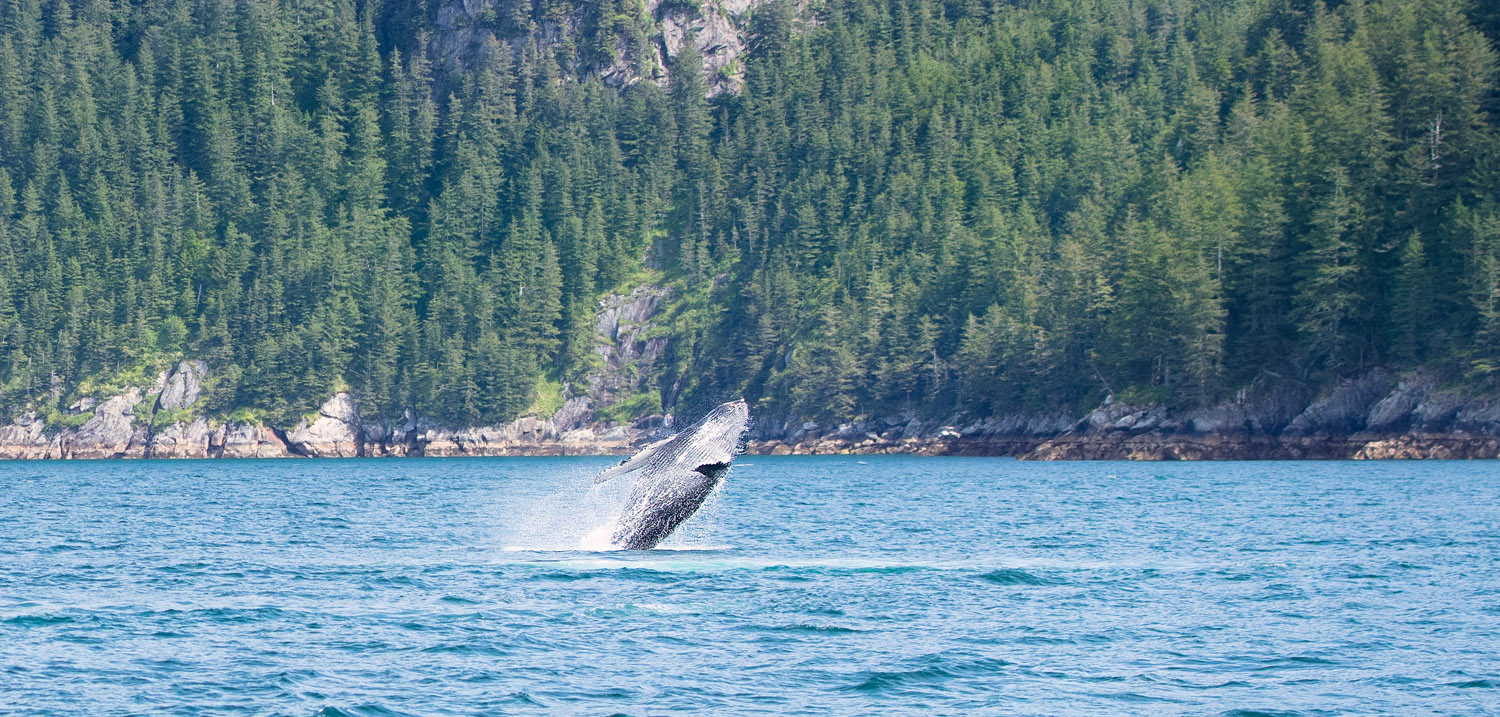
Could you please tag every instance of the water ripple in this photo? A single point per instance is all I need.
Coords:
(809, 586)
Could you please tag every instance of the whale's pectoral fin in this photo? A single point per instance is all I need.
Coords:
(631, 463)
(612, 473)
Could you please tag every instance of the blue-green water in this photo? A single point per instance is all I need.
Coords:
(808, 586)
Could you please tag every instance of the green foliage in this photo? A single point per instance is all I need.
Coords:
(549, 398)
(171, 334)
(166, 417)
(144, 411)
(245, 415)
(59, 419)
(930, 210)
(909, 206)
(632, 407)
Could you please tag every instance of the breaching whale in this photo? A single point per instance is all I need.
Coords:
(675, 475)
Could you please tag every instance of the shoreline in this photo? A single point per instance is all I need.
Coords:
(1167, 448)
(1084, 446)
(1374, 416)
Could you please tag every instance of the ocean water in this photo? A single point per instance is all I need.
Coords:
(808, 585)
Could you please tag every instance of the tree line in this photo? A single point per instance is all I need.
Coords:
(927, 205)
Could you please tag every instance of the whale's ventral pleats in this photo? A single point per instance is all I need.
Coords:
(672, 478)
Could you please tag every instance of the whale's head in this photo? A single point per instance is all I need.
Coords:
(710, 444)
(724, 426)
(736, 410)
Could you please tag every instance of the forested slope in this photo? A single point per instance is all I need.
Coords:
(884, 206)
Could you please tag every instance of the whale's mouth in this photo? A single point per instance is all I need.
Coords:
(709, 470)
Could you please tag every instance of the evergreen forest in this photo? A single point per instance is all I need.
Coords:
(902, 205)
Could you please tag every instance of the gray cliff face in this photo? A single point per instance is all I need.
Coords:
(1396, 411)
(1370, 416)
(179, 392)
(179, 440)
(25, 438)
(620, 338)
(464, 28)
(183, 387)
(111, 432)
(1346, 409)
(245, 440)
(336, 432)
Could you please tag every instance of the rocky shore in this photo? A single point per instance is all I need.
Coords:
(337, 431)
(165, 418)
(1375, 416)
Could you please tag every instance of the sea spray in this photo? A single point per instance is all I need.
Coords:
(565, 516)
(574, 514)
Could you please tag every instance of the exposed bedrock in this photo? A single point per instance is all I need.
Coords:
(464, 31)
(182, 440)
(249, 440)
(111, 432)
(1373, 416)
(183, 387)
(336, 431)
(25, 437)
(185, 436)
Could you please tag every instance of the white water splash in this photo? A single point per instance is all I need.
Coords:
(599, 538)
(580, 516)
(567, 516)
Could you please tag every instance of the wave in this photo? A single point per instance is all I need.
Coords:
(804, 628)
(466, 650)
(714, 560)
(711, 548)
(929, 670)
(653, 608)
(1472, 684)
(360, 711)
(1015, 577)
(39, 620)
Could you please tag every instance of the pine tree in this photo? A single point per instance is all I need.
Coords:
(1327, 297)
(876, 208)
(1411, 310)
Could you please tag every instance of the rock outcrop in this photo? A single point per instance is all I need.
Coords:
(248, 440)
(336, 432)
(183, 387)
(1345, 410)
(183, 440)
(111, 432)
(24, 438)
(464, 31)
(622, 339)
(187, 436)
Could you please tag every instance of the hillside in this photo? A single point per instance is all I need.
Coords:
(856, 213)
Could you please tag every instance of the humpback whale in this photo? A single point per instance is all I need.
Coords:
(673, 477)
